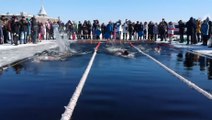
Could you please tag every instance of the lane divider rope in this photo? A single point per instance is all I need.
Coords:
(186, 81)
(73, 101)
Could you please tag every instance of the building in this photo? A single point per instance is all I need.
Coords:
(42, 15)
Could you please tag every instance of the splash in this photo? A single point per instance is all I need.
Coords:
(61, 53)
(62, 42)
(50, 55)
(118, 51)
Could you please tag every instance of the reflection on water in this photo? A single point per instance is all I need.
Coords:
(180, 56)
(202, 63)
(191, 60)
(18, 68)
(210, 70)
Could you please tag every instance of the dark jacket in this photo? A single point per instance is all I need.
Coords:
(190, 26)
(162, 27)
(210, 27)
(23, 25)
(34, 25)
(15, 27)
(181, 27)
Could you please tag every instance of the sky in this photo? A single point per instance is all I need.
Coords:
(106, 10)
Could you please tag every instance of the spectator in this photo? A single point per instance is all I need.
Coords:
(85, 30)
(205, 32)
(5, 29)
(119, 30)
(190, 31)
(198, 30)
(181, 30)
(155, 31)
(125, 30)
(55, 29)
(34, 29)
(150, 30)
(145, 30)
(171, 29)
(16, 30)
(109, 30)
(162, 29)
(1, 32)
(23, 30)
(28, 30)
(79, 30)
(141, 31)
(103, 30)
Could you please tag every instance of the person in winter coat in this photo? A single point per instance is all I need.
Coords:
(98, 32)
(16, 30)
(140, 31)
(119, 30)
(150, 30)
(125, 30)
(55, 29)
(198, 30)
(181, 30)
(23, 30)
(42, 31)
(34, 29)
(5, 29)
(162, 29)
(79, 30)
(205, 32)
(210, 26)
(155, 31)
(85, 30)
(137, 27)
(131, 29)
(89, 28)
(210, 31)
(171, 29)
(190, 25)
(28, 30)
(1, 34)
(145, 30)
(103, 30)
(109, 30)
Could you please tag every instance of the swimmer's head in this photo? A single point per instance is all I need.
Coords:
(125, 53)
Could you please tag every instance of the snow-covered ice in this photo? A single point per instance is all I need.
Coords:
(10, 53)
(197, 48)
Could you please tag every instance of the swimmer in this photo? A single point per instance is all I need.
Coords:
(158, 49)
(125, 53)
(122, 52)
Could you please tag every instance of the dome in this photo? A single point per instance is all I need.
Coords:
(42, 11)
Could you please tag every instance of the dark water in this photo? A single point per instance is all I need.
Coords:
(116, 89)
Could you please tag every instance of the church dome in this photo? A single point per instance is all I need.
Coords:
(42, 11)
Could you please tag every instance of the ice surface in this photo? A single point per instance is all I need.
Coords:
(199, 48)
(10, 53)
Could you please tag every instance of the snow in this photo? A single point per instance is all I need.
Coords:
(197, 48)
(10, 54)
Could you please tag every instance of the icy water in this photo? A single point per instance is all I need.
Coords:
(117, 88)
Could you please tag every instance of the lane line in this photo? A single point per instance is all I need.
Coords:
(186, 81)
(73, 101)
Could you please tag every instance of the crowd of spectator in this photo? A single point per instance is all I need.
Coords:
(26, 30)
